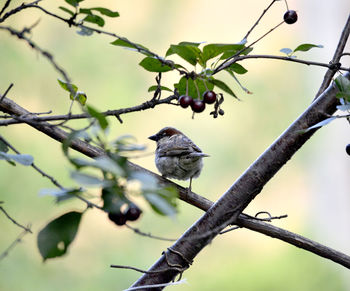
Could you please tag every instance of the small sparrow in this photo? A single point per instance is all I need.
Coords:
(176, 155)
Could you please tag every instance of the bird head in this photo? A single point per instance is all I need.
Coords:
(165, 132)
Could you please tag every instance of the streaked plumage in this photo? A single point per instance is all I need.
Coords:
(176, 155)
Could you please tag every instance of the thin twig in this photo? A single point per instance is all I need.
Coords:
(146, 105)
(257, 22)
(13, 244)
(281, 58)
(7, 90)
(27, 229)
(140, 270)
(137, 231)
(18, 9)
(139, 48)
(46, 54)
(223, 65)
(7, 3)
(52, 179)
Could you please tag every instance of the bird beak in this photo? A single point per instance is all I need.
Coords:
(153, 137)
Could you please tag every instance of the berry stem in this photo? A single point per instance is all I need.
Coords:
(205, 84)
(285, 1)
(187, 86)
(195, 84)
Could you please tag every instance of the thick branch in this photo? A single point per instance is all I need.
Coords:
(227, 209)
(196, 200)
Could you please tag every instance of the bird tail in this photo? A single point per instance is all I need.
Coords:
(199, 155)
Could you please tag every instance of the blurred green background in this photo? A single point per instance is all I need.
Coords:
(312, 188)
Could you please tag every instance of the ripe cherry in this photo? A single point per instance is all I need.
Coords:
(118, 218)
(185, 101)
(347, 149)
(198, 106)
(133, 212)
(290, 16)
(209, 97)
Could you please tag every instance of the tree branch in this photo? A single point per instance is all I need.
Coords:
(336, 58)
(331, 66)
(227, 209)
(144, 106)
(189, 197)
(46, 54)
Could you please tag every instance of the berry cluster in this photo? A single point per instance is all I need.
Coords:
(197, 105)
(131, 214)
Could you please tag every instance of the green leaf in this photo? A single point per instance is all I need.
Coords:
(189, 43)
(192, 90)
(71, 137)
(223, 86)
(61, 194)
(80, 96)
(237, 68)
(124, 42)
(74, 3)
(66, 10)
(55, 238)
(3, 147)
(103, 163)
(163, 201)
(102, 120)
(92, 18)
(306, 46)
(25, 160)
(154, 65)
(189, 53)
(68, 86)
(343, 84)
(113, 199)
(106, 11)
(88, 180)
(229, 53)
(149, 182)
(214, 49)
(343, 95)
(126, 143)
(155, 87)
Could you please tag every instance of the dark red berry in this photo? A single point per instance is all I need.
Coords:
(348, 149)
(133, 212)
(209, 97)
(118, 218)
(290, 17)
(198, 106)
(185, 101)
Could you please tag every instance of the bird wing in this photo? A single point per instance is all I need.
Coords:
(177, 145)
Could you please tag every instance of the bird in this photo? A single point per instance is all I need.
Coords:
(177, 156)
